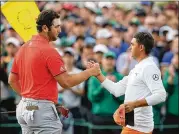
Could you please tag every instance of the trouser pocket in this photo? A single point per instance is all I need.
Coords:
(55, 111)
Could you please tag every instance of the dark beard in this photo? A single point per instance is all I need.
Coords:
(52, 38)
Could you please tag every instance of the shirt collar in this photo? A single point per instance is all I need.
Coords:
(145, 60)
(40, 37)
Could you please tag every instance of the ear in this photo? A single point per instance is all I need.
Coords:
(45, 28)
(142, 47)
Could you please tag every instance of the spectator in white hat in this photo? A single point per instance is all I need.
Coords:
(103, 36)
(11, 45)
(99, 50)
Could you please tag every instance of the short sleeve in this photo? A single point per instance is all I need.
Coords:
(14, 67)
(54, 62)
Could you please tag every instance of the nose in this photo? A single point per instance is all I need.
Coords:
(59, 30)
(129, 49)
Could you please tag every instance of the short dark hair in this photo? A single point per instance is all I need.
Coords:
(45, 18)
(145, 39)
(80, 38)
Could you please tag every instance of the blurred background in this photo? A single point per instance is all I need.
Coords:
(101, 31)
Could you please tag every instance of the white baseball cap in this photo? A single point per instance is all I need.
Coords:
(69, 50)
(13, 40)
(100, 20)
(104, 4)
(103, 33)
(171, 34)
(100, 48)
(90, 5)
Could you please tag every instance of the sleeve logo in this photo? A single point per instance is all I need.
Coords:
(155, 77)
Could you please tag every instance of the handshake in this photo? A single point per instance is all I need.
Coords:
(93, 68)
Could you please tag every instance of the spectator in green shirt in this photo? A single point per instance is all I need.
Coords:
(104, 104)
(171, 85)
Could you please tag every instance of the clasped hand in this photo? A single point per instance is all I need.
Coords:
(94, 68)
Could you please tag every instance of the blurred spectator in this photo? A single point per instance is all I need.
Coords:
(168, 31)
(100, 98)
(79, 27)
(2, 34)
(71, 98)
(147, 5)
(170, 80)
(133, 24)
(79, 44)
(103, 36)
(140, 14)
(149, 24)
(119, 42)
(159, 46)
(167, 58)
(171, 10)
(173, 23)
(7, 102)
(4, 85)
(87, 53)
(12, 45)
(10, 32)
(161, 20)
(117, 46)
(99, 50)
(4, 95)
(125, 63)
(169, 55)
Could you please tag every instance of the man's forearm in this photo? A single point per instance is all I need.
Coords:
(75, 79)
(129, 106)
(78, 78)
(140, 103)
(69, 80)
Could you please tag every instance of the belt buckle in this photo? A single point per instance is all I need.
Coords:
(30, 108)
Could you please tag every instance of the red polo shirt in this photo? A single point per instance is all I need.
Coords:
(36, 64)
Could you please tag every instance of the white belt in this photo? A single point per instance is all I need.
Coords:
(31, 99)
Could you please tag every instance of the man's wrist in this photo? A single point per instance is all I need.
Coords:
(100, 77)
(140, 103)
(88, 72)
(135, 104)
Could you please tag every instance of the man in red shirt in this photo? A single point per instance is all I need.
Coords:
(36, 70)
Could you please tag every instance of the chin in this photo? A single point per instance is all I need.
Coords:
(133, 57)
(54, 39)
